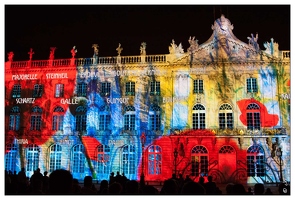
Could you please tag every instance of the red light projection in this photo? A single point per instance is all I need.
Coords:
(48, 78)
(267, 120)
(225, 156)
(90, 144)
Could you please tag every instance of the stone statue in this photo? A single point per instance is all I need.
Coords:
(193, 43)
(272, 47)
(119, 49)
(74, 51)
(253, 41)
(95, 46)
(10, 56)
(31, 53)
(174, 49)
(51, 55)
(142, 48)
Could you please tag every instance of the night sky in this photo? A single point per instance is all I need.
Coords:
(64, 26)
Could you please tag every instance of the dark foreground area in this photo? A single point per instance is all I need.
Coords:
(61, 182)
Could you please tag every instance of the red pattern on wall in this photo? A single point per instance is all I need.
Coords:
(267, 120)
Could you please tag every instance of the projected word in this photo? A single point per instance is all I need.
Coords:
(197, 70)
(140, 72)
(24, 77)
(89, 74)
(22, 141)
(174, 99)
(285, 96)
(116, 142)
(56, 75)
(24, 100)
(117, 100)
(65, 141)
(69, 101)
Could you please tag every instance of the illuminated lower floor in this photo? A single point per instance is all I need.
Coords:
(247, 159)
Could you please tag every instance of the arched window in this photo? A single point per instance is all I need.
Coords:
(58, 118)
(128, 160)
(129, 118)
(199, 120)
(199, 158)
(78, 159)
(226, 150)
(155, 118)
(154, 160)
(227, 162)
(81, 118)
(36, 118)
(55, 157)
(103, 161)
(253, 117)
(255, 161)
(14, 118)
(16, 91)
(32, 155)
(225, 116)
(10, 157)
(104, 118)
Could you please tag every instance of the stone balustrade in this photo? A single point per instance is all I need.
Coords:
(156, 59)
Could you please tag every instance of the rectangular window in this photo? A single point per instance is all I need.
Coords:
(78, 162)
(16, 91)
(14, 121)
(155, 122)
(225, 120)
(130, 89)
(32, 161)
(82, 90)
(129, 122)
(260, 168)
(199, 121)
(252, 85)
(80, 122)
(103, 164)
(36, 122)
(104, 121)
(55, 161)
(198, 86)
(105, 89)
(59, 90)
(129, 163)
(155, 88)
(10, 161)
(57, 122)
(253, 121)
(250, 166)
(38, 91)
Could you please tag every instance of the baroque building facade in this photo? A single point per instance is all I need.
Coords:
(220, 108)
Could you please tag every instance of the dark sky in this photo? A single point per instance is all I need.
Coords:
(64, 26)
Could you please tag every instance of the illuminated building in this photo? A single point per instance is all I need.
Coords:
(220, 108)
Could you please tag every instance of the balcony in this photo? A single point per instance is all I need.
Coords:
(231, 132)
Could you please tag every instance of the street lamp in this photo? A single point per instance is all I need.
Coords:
(279, 154)
(142, 139)
(175, 152)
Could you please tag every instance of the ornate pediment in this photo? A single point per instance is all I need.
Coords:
(223, 45)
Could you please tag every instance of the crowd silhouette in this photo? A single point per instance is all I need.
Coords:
(61, 182)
